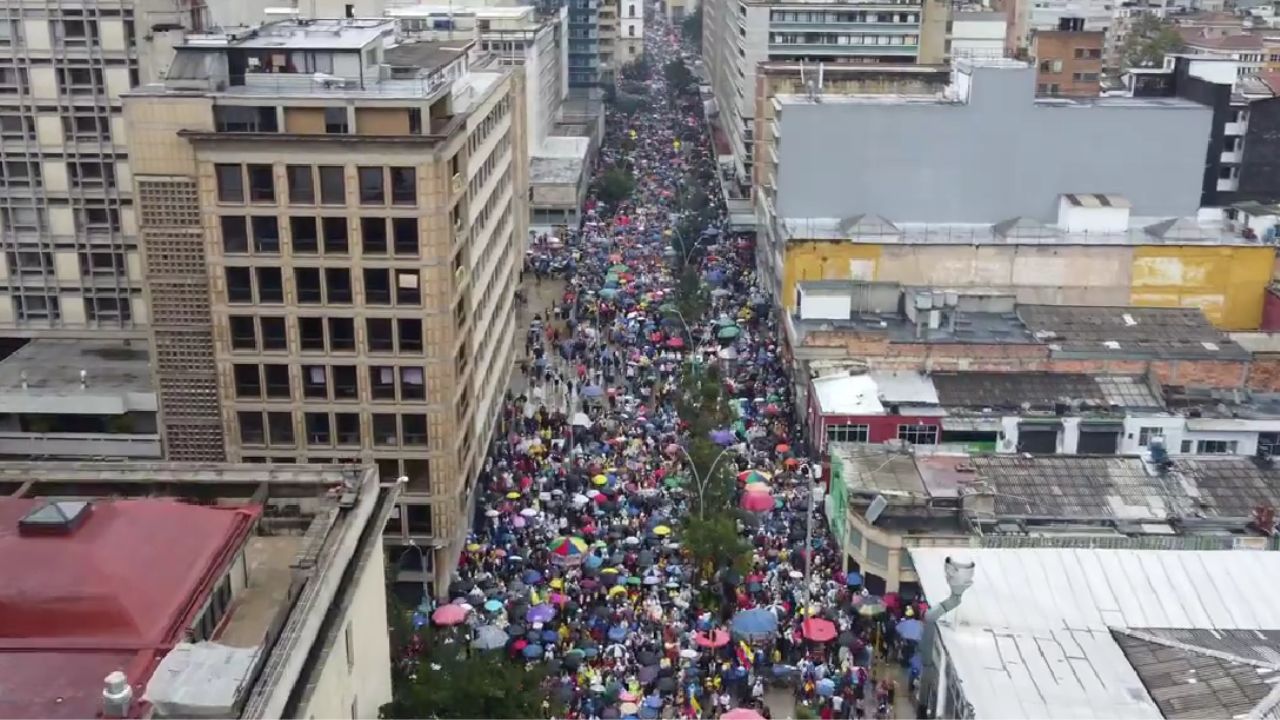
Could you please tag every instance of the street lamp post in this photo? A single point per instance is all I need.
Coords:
(699, 478)
(811, 474)
(959, 575)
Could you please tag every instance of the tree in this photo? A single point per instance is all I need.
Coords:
(452, 681)
(615, 186)
(628, 104)
(636, 70)
(678, 76)
(691, 27)
(715, 543)
(1148, 41)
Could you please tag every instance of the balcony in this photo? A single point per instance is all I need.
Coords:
(79, 445)
(833, 49)
(793, 26)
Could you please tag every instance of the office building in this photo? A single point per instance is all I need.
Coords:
(631, 30)
(738, 35)
(607, 34)
(678, 10)
(365, 228)
(137, 590)
(584, 44)
(1068, 60)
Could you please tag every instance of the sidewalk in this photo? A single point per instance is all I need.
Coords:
(538, 297)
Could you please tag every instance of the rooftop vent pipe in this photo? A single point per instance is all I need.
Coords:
(117, 695)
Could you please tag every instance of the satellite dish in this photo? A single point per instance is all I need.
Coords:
(876, 509)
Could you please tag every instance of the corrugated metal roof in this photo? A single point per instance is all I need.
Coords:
(1032, 637)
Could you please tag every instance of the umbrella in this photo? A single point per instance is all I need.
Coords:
(592, 391)
(568, 549)
(489, 637)
(581, 420)
(716, 638)
(728, 332)
(493, 606)
(911, 630)
(662, 531)
(757, 502)
(532, 650)
(756, 487)
(531, 577)
(617, 633)
(722, 437)
(870, 607)
(540, 613)
(826, 687)
(818, 630)
(754, 476)
(754, 623)
(853, 579)
(448, 615)
(742, 714)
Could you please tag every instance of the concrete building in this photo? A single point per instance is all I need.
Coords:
(978, 34)
(678, 10)
(70, 264)
(141, 590)
(631, 31)
(1068, 61)
(78, 399)
(354, 300)
(939, 496)
(1125, 634)
(584, 44)
(738, 35)
(610, 58)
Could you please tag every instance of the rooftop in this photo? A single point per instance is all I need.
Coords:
(298, 34)
(126, 587)
(1041, 391)
(1015, 231)
(1033, 636)
(1128, 331)
(428, 56)
(554, 171)
(872, 393)
(44, 376)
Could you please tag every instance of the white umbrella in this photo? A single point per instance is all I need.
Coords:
(688, 653)
(529, 512)
(581, 420)
(491, 513)
(579, 500)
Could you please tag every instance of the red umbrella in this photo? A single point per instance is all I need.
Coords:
(675, 342)
(447, 615)
(717, 638)
(757, 501)
(818, 630)
(742, 714)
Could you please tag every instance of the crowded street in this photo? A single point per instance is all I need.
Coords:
(575, 558)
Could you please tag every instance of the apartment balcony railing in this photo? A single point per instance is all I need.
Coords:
(833, 49)
(80, 445)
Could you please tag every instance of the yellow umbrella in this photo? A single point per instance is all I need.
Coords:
(662, 531)
(513, 495)
(611, 571)
(600, 480)
(473, 547)
(617, 590)
(557, 583)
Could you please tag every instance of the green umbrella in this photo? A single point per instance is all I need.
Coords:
(673, 481)
(729, 332)
(611, 279)
(634, 580)
(668, 308)
(619, 268)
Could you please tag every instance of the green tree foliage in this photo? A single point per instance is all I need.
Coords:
(714, 543)
(636, 70)
(1148, 41)
(615, 186)
(453, 682)
(691, 298)
(691, 27)
(678, 76)
(628, 104)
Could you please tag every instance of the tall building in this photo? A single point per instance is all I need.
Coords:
(70, 265)
(139, 590)
(631, 33)
(584, 43)
(333, 231)
(610, 60)
(738, 35)
(1068, 60)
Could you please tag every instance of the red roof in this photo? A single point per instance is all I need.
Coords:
(112, 595)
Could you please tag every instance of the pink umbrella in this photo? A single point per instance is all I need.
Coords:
(742, 714)
(757, 502)
(716, 638)
(448, 615)
(818, 630)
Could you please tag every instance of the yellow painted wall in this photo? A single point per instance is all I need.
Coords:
(1227, 283)
(826, 260)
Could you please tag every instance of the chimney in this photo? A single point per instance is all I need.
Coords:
(117, 695)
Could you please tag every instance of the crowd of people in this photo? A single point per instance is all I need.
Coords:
(575, 561)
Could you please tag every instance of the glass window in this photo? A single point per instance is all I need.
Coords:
(1147, 433)
(333, 185)
(302, 184)
(235, 236)
(252, 430)
(848, 433)
(262, 184)
(372, 191)
(918, 434)
(404, 190)
(373, 235)
(280, 424)
(230, 183)
(266, 234)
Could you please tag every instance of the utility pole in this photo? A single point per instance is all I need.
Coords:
(809, 473)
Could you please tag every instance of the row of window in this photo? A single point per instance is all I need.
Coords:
(84, 173)
(91, 215)
(256, 183)
(860, 16)
(72, 80)
(490, 122)
(333, 334)
(914, 434)
(93, 263)
(309, 235)
(81, 125)
(71, 30)
(276, 429)
(315, 286)
(329, 382)
(43, 305)
(840, 39)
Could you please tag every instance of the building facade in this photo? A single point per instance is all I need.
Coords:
(610, 60)
(584, 43)
(349, 250)
(1068, 62)
(631, 30)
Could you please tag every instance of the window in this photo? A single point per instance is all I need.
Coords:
(848, 433)
(10, 31)
(382, 382)
(1084, 77)
(415, 429)
(335, 234)
(311, 333)
(377, 286)
(407, 290)
(333, 185)
(37, 306)
(335, 120)
(877, 554)
(80, 81)
(303, 236)
(372, 191)
(274, 336)
(94, 217)
(266, 234)
(248, 382)
(270, 284)
(404, 186)
(239, 284)
(1145, 435)
(346, 427)
(280, 426)
(277, 381)
(107, 308)
(410, 330)
(315, 382)
(318, 429)
(412, 384)
(230, 183)
(1216, 447)
(13, 81)
(18, 126)
(1051, 66)
(373, 235)
(302, 184)
(337, 283)
(235, 236)
(252, 430)
(262, 184)
(244, 332)
(306, 282)
(404, 232)
(378, 335)
(918, 434)
(384, 430)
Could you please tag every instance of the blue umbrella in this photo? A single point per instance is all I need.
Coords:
(532, 650)
(550, 636)
(489, 637)
(531, 577)
(911, 630)
(593, 561)
(592, 391)
(826, 687)
(853, 579)
(493, 605)
(755, 623)
(540, 613)
(617, 633)
(722, 437)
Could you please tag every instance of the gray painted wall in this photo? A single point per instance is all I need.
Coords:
(999, 156)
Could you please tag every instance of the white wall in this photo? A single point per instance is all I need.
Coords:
(356, 685)
(981, 37)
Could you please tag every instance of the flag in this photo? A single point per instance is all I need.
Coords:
(693, 703)
(745, 655)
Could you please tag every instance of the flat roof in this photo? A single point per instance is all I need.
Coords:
(555, 170)
(1032, 638)
(298, 34)
(117, 378)
(971, 328)
(1129, 331)
(429, 55)
(1042, 390)
(119, 589)
(1014, 231)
